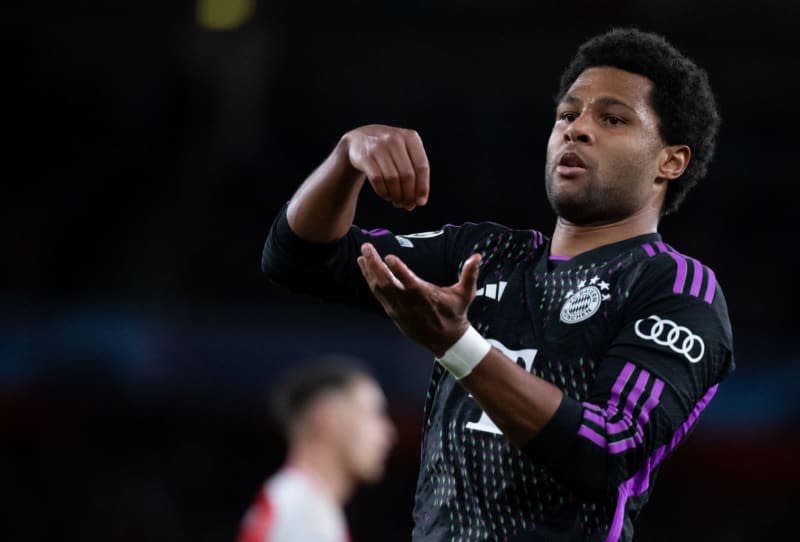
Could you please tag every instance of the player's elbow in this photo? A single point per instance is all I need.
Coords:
(271, 266)
(266, 262)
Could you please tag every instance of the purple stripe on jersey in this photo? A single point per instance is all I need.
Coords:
(661, 246)
(640, 482)
(697, 278)
(560, 258)
(599, 419)
(622, 445)
(649, 249)
(592, 435)
(630, 403)
(595, 408)
(376, 233)
(596, 415)
(644, 418)
(622, 379)
(711, 289)
(680, 276)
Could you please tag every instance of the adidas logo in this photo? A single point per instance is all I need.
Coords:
(492, 290)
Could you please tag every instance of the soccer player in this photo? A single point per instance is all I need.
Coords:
(334, 416)
(570, 366)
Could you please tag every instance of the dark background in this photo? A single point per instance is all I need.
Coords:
(146, 151)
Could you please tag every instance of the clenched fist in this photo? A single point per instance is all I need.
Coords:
(394, 161)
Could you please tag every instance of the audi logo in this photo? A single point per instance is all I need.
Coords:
(667, 333)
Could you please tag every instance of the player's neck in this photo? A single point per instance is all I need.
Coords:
(572, 239)
(324, 470)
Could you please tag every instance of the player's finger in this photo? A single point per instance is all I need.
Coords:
(369, 277)
(378, 183)
(400, 270)
(390, 176)
(422, 169)
(384, 279)
(407, 175)
(365, 271)
(468, 281)
(375, 176)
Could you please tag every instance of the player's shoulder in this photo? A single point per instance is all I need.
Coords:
(662, 269)
(301, 510)
(496, 241)
(287, 487)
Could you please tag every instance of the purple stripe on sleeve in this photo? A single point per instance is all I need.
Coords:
(622, 445)
(711, 289)
(593, 414)
(376, 232)
(594, 408)
(592, 435)
(613, 401)
(697, 278)
(680, 275)
(560, 258)
(622, 379)
(655, 397)
(599, 419)
(644, 418)
(661, 246)
(630, 403)
(649, 249)
(640, 482)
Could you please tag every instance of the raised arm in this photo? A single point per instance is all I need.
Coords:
(394, 162)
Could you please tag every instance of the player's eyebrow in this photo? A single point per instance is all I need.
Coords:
(604, 101)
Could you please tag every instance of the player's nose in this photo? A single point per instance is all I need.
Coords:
(579, 131)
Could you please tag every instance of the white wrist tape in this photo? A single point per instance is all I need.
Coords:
(461, 358)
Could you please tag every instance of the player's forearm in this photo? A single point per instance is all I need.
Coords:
(519, 403)
(323, 208)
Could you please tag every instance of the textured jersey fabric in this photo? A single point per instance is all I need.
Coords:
(291, 508)
(636, 335)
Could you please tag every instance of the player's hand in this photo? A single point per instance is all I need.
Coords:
(434, 316)
(394, 161)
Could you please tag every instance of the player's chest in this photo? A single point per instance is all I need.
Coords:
(559, 312)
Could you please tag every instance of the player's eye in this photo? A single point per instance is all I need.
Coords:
(567, 116)
(611, 119)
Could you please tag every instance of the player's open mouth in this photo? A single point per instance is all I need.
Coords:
(570, 165)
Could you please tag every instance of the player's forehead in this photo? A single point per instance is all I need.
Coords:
(610, 86)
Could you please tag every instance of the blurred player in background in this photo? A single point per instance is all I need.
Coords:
(569, 367)
(333, 414)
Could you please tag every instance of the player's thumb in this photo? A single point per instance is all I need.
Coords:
(468, 280)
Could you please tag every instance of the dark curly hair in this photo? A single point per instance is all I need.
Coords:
(681, 97)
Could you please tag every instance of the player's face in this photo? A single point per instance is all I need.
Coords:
(602, 155)
(368, 433)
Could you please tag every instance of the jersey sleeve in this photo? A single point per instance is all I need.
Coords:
(660, 371)
(331, 271)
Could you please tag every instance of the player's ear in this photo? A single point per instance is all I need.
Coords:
(673, 161)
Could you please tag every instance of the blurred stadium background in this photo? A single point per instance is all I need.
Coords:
(149, 146)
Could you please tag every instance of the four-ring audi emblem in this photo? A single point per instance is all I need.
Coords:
(667, 333)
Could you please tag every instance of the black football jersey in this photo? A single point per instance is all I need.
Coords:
(636, 335)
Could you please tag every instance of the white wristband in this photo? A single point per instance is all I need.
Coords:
(461, 358)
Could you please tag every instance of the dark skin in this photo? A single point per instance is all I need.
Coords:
(612, 191)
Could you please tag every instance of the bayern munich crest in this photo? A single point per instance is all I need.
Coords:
(584, 303)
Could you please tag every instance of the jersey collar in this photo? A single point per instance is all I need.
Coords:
(603, 252)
